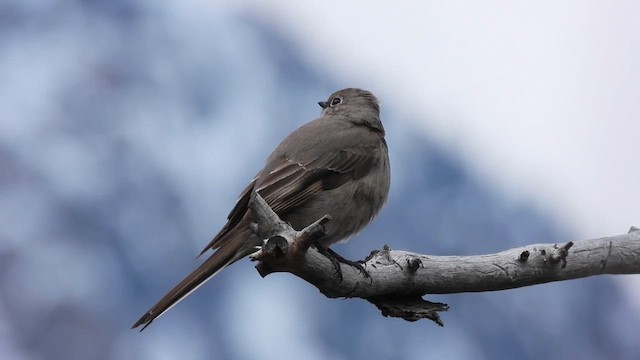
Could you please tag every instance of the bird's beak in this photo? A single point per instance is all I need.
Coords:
(323, 104)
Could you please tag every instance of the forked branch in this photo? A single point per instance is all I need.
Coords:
(398, 279)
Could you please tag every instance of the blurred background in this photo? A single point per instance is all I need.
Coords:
(127, 129)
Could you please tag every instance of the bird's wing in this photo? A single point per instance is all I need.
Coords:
(286, 183)
(292, 183)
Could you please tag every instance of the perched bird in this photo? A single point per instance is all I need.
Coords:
(337, 164)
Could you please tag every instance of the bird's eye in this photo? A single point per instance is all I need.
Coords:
(336, 101)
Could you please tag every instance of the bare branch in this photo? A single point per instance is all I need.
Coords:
(399, 279)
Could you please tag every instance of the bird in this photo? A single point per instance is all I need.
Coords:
(336, 165)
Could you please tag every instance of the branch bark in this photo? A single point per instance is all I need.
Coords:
(398, 279)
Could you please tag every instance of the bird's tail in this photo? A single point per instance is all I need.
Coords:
(230, 252)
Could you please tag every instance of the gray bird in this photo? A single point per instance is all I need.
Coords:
(337, 164)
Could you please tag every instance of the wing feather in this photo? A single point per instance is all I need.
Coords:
(287, 183)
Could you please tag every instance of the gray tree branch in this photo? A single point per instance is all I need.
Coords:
(397, 280)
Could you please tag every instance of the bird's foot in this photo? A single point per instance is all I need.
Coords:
(336, 259)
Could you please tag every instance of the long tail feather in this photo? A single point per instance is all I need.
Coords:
(234, 250)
